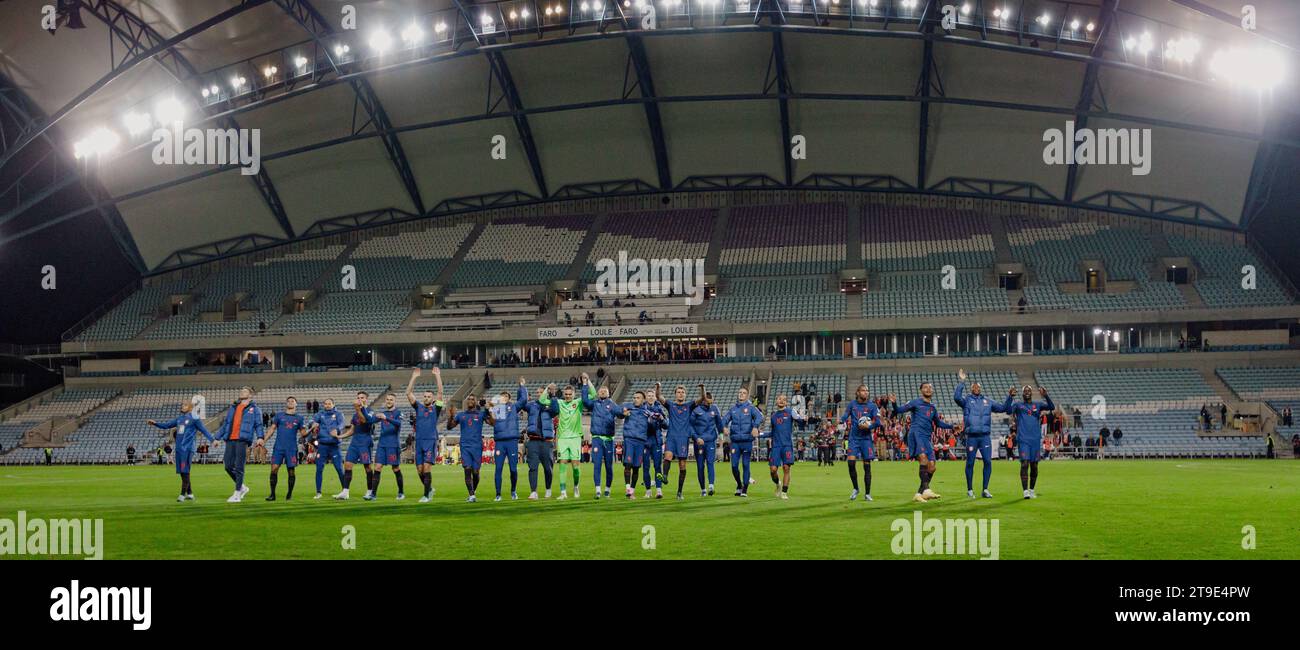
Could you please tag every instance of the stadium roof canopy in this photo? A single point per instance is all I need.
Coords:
(590, 103)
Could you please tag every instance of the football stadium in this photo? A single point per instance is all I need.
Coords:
(681, 279)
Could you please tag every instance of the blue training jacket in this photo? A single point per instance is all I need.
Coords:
(604, 412)
(977, 411)
(741, 420)
(506, 425)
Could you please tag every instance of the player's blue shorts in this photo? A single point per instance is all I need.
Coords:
(358, 452)
(326, 454)
(679, 447)
(920, 444)
(471, 457)
(388, 455)
(182, 459)
(633, 450)
(426, 451)
(982, 443)
(862, 449)
(507, 449)
(781, 455)
(284, 457)
(1030, 450)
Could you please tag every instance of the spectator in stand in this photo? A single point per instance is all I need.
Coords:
(1117, 435)
(1295, 446)
(1104, 433)
(1286, 416)
(1223, 415)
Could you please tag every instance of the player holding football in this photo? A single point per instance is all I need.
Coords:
(782, 433)
(977, 419)
(389, 450)
(185, 424)
(426, 412)
(288, 427)
(861, 418)
(741, 424)
(677, 442)
(925, 419)
(470, 421)
(706, 420)
(1029, 433)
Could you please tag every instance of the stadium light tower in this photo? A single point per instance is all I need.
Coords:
(380, 41)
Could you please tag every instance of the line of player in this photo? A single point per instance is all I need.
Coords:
(657, 431)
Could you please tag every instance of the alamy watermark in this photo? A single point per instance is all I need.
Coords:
(658, 277)
(180, 146)
(1085, 146)
(933, 536)
(37, 536)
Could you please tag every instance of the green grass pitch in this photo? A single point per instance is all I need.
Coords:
(1085, 509)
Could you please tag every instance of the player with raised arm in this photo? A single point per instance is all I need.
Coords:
(185, 424)
(288, 427)
(568, 438)
(680, 433)
(782, 433)
(1029, 433)
(329, 427)
(470, 421)
(977, 418)
(861, 417)
(706, 422)
(604, 412)
(920, 446)
(389, 450)
(541, 438)
(362, 442)
(741, 425)
(505, 433)
(426, 412)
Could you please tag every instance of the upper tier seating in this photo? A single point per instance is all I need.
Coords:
(409, 259)
(656, 234)
(780, 240)
(751, 300)
(134, 313)
(350, 311)
(1054, 250)
(266, 284)
(521, 251)
(1220, 279)
(483, 309)
(922, 294)
(924, 239)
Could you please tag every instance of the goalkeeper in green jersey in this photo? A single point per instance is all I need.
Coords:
(568, 436)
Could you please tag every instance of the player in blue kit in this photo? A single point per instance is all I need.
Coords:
(425, 421)
(706, 421)
(362, 442)
(470, 421)
(288, 427)
(861, 418)
(977, 418)
(329, 426)
(636, 424)
(782, 433)
(679, 434)
(604, 413)
(741, 425)
(505, 432)
(389, 450)
(920, 446)
(654, 444)
(1029, 433)
(185, 424)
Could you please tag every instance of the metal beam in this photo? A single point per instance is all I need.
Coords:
(317, 27)
(923, 86)
(645, 81)
(783, 92)
(1106, 19)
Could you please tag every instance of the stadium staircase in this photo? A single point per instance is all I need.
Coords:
(1001, 244)
(719, 235)
(449, 271)
(579, 264)
(853, 302)
(327, 275)
(853, 244)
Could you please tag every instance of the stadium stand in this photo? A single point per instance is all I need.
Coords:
(518, 251)
(406, 260)
(133, 314)
(749, 300)
(481, 309)
(922, 294)
(679, 234)
(350, 311)
(783, 240)
(923, 239)
(1054, 250)
(1219, 282)
(69, 403)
